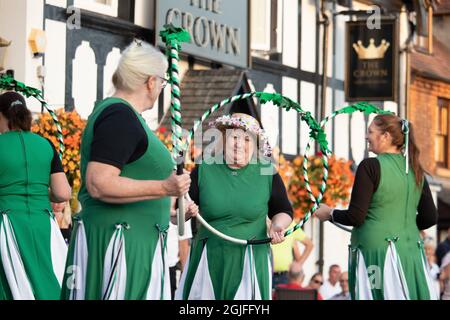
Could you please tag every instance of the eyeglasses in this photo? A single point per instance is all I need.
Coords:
(318, 281)
(164, 81)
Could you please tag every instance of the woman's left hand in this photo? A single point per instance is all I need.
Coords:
(191, 210)
(323, 213)
(276, 233)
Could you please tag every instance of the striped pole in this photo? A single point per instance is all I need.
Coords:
(173, 37)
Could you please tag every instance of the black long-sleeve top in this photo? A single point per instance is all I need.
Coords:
(366, 184)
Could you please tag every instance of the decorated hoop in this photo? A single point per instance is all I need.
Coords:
(10, 84)
(358, 107)
(316, 134)
(173, 37)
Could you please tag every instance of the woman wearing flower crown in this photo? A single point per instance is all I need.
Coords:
(386, 258)
(236, 192)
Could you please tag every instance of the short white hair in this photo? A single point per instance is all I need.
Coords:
(139, 61)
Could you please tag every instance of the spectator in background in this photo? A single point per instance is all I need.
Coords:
(64, 218)
(429, 249)
(287, 252)
(345, 293)
(443, 248)
(296, 277)
(331, 286)
(445, 277)
(315, 283)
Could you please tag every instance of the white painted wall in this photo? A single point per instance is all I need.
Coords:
(20, 57)
(112, 61)
(341, 148)
(289, 133)
(307, 102)
(84, 85)
(55, 64)
(143, 13)
(270, 117)
(308, 48)
(290, 36)
(108, 7)
(58, 3)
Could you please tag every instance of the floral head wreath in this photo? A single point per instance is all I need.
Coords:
(248, 124)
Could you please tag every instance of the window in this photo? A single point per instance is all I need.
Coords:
(442, 133)
(107, 7)
(266, 28)
(424, 27)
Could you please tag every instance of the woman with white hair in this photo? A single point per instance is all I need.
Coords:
(118, 249)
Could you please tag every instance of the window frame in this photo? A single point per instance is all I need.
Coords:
(109, 9)
(442, 104)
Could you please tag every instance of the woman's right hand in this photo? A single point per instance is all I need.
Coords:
(177, 186)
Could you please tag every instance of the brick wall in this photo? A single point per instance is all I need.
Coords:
(424, 94)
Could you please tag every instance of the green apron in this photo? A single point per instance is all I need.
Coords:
(234, 202)
(386, 258)
(32, 249)
(119, 251)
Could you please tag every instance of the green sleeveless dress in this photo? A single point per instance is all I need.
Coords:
(234, 202)
(32, 249)
(119, 251)
(386, 258)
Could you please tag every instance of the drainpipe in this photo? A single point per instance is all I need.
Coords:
(325, 22)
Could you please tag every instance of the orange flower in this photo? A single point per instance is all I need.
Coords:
(340, 181)
(72, 127)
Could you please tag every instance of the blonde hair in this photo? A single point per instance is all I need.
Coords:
(139, 61)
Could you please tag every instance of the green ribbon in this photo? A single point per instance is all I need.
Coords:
(364, 107)
(316, 131)
(173, 36)
(9, 83)
(278, 100)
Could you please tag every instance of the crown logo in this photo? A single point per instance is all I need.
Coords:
(372, 51)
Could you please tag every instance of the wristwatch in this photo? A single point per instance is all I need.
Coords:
(331, 216)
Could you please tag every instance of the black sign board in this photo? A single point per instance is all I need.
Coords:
(371, 56)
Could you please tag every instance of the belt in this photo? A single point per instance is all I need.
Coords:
(281, 273)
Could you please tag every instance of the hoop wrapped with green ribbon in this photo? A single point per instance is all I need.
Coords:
(316, 133)
(364, 107)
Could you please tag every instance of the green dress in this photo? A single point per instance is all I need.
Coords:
(32, 249)
(234, 202)
(386, 258)
(118, 252)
